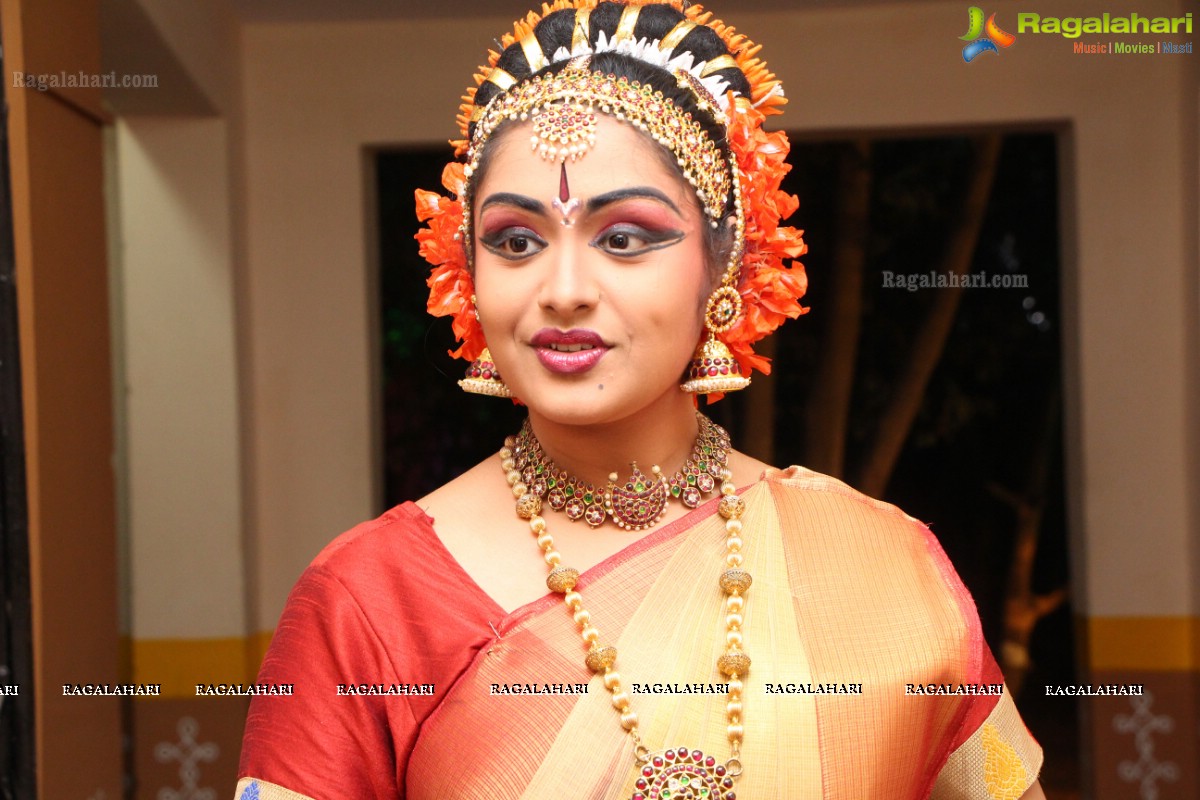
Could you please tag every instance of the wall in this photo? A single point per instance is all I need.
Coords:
(173, 208)
(316, 96)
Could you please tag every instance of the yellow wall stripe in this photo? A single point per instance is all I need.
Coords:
(179, 664)
(1144, 643)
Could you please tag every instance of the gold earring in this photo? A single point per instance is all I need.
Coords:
(713, 368)
(483, 377)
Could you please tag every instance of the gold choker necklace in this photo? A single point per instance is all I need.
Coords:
(678, 773)
(635, 504)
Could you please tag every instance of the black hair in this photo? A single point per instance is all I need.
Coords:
(654, 22)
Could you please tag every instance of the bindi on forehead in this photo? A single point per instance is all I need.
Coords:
(566, 205)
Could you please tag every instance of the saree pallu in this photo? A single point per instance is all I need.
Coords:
(870, 676)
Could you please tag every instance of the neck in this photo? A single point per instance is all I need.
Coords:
(662, 435)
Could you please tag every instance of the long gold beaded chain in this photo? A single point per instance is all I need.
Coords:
(678, 773)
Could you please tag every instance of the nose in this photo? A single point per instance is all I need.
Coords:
(569, 286)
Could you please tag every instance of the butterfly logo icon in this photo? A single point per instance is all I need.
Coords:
(983, 37)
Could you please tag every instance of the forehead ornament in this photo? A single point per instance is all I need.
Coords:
(564, 130)
(562, 108)
(564, 203)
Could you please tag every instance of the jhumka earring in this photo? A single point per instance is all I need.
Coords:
(713, 368)
(483, 378)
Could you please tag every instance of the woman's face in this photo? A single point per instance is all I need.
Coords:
(590, 284)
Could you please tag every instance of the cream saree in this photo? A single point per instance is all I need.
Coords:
(870, 676)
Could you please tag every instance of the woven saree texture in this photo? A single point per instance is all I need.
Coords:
(870, 676)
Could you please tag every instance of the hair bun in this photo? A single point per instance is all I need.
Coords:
(536, 39)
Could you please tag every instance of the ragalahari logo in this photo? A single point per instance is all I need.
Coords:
(983, 38)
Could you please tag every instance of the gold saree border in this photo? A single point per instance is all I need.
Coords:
(999, 761)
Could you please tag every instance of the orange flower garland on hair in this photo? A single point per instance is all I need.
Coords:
(770, 286)
(450, 283)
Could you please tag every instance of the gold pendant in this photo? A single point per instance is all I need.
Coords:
(639, 502)
(683, 774)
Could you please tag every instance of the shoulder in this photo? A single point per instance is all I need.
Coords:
(876, 555)
(455, 504)
(814, 503)
(376, 543)
(367, 646)
(798, 482)
(382, 576)
(378, 562)
(822, 502)
(477, 527)
(380, 603)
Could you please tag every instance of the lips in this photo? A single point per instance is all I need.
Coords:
(568, 352)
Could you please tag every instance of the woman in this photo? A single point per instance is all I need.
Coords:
(730, 628)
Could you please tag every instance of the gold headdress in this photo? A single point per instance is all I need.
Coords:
(563, 108)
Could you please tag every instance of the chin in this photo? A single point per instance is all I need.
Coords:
(585, 404)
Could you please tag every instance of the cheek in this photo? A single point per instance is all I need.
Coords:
(694, 295)
(499, 297)
(676, 312)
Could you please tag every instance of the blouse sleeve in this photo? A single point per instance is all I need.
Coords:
(370, 647)
(321, 742)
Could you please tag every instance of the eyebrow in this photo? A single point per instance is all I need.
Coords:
(511, 199)
(594, 204)
(608, 198)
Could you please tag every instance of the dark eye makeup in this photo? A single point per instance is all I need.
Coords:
(512, 243)
(629, 226)
(628, 241)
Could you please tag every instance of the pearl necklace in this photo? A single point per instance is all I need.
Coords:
(677, 773)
